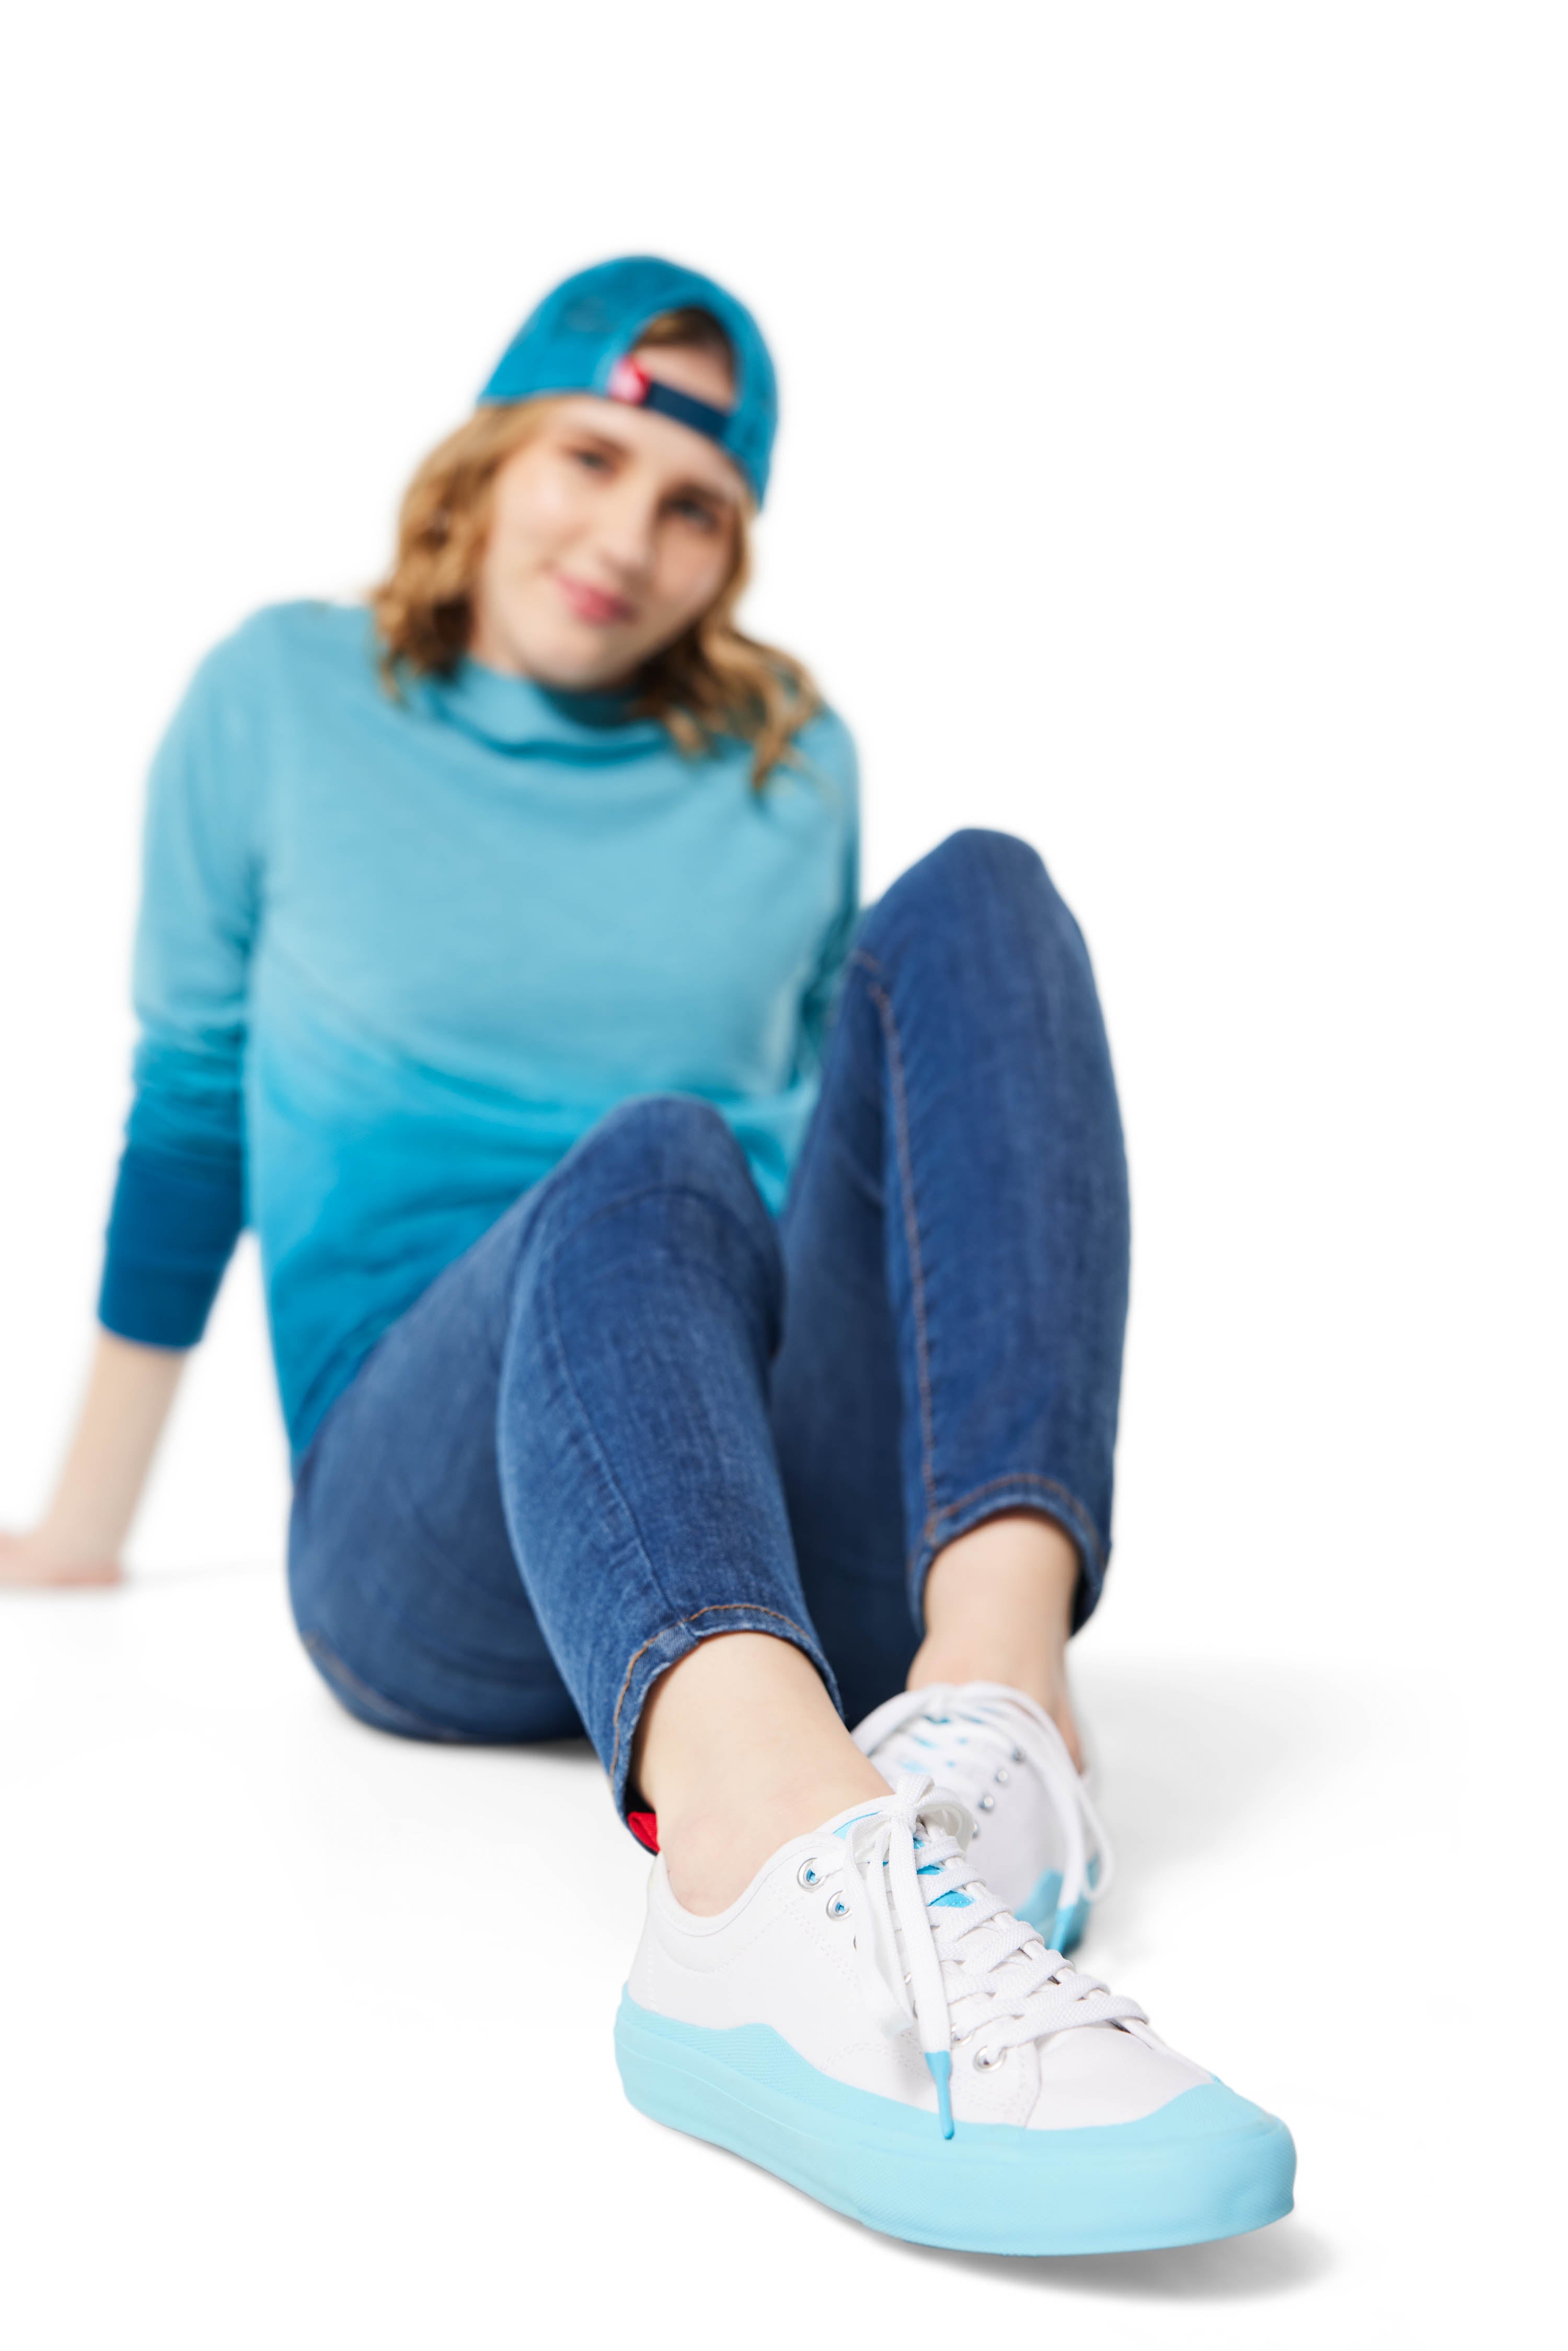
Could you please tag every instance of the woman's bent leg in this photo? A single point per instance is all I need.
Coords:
(957, 1244)
(638, 1472)
(957, 1250)
(554, 1476)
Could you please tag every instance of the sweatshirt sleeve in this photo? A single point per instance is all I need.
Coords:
(831, 749)
(179, 1196)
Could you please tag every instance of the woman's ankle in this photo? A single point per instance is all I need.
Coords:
(999, 1608)
(739, 1750)
(713, 1855)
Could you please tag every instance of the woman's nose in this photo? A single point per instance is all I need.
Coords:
(625, 531)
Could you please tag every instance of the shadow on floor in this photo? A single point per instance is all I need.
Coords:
(1238, 2269)
(1279, 2259)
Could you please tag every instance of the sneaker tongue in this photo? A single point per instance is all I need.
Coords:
(867, 1809)
(841, 1822)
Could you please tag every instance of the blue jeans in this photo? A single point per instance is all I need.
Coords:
(639, 1411)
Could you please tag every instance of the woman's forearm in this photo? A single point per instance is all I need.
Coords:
(129, 1392)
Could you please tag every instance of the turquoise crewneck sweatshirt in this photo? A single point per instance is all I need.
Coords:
(394, 956)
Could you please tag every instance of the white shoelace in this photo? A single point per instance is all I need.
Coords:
(936, 1948)
(979, 1726)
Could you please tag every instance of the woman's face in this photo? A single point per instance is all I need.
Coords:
(611, 531)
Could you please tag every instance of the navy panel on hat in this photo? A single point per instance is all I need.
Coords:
(582, 335)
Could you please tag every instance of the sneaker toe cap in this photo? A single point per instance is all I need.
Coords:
(1099, 2074)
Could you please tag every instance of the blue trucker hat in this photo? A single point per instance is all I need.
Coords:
(582, 336)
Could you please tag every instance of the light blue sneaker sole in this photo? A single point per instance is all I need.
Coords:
(1206, 2165)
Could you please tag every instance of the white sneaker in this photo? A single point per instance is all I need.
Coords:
(870, 2024)
(1046, 1853)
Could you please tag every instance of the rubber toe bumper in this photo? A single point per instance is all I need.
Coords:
(1208, 2164)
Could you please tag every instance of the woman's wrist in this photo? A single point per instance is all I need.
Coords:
(129, 1392)
(38, 1557)
(69, 1535)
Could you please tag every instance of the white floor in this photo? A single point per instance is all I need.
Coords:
(308, 2030)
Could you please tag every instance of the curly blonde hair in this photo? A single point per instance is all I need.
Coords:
(713, 682)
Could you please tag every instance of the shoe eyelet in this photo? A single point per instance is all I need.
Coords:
(984, 2060)
(1017, 1754)
(807, 1874)
(837, 1908)
(975, 1838)
(987, 1803)
(1003, 1776)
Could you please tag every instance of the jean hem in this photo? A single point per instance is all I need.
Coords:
(1024, 1490)
(669, 1645)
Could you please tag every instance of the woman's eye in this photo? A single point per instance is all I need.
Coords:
(592, 461)
(694, 510)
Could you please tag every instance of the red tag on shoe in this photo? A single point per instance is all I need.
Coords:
(645, 1827)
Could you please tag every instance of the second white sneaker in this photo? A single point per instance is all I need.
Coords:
(1037, 1837)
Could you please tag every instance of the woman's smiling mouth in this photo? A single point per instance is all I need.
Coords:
(598, 606)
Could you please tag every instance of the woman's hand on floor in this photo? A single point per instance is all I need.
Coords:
(77, 1542)
(33, 1561)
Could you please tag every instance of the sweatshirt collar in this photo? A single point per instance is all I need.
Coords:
(516, 714)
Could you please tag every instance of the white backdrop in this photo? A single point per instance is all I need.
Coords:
(1173, 472)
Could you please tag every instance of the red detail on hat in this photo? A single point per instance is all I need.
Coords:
(645, 1827)
(628, 382)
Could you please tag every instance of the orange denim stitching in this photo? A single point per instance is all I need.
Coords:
(880, 997)
(1081, 1517)
(715, 1608)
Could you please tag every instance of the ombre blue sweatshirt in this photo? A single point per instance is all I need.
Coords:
(394, 956)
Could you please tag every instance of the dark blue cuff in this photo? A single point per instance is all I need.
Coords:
(171, 1230)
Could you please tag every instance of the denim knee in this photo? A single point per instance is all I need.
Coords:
(662, 1140)
(672, 1144)
(969, 884)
